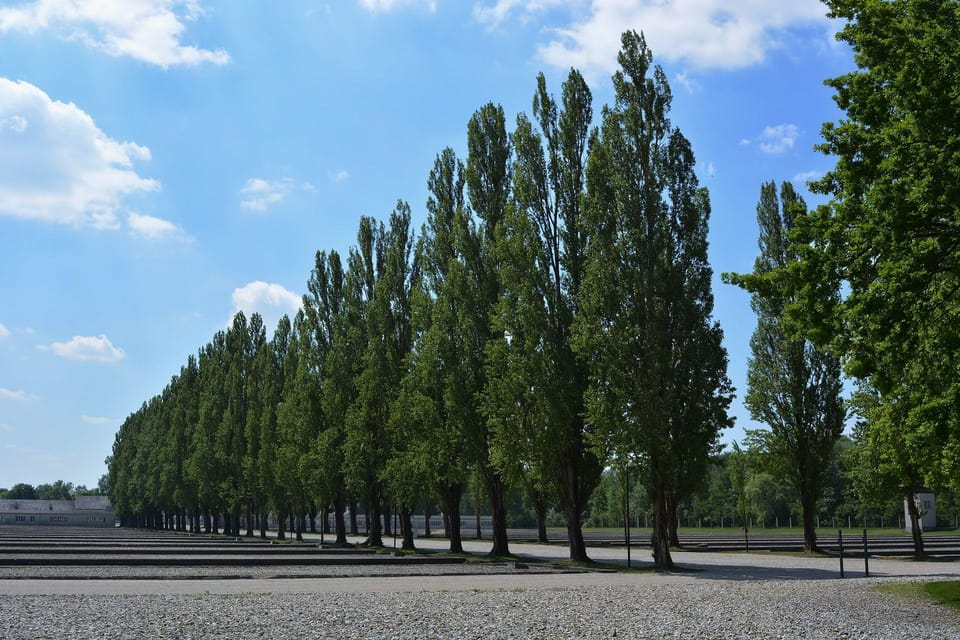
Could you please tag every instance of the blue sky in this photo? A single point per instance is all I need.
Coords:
(164, 163)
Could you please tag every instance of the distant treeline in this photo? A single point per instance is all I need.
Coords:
(58, 490)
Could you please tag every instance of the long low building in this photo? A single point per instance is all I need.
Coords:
(82, 511)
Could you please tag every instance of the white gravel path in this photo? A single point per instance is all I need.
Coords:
(754, 595)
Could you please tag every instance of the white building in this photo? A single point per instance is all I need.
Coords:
(927, 506)
(82, 511)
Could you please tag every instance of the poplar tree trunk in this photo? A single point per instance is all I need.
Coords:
(406, 526)
(661, 533)
(339, 523)
(451, 516)
(809, 524)
(498, 503)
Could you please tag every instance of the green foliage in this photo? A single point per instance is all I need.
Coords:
(59, 490)
(534, 396)
(793, 386)
(659, 392)
(891, 234)
(479, 355)
(21, 491)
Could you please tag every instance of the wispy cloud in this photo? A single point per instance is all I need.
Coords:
(7, 428)
(93, 420)
(59, 166)
(87, 348)
(493, 15)
(340, 176)
(260, 194)
(775, 139)
(807, 176)
(4, 332)
(156, 229)
(146, 30)
(380, 6)
(9, 394)
(686, 81)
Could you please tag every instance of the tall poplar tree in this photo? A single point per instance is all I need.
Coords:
(646, 327)
(268, 472)
(298, 422)
(488, 180)
(793, 386)
(326, 308)
(535, 388)
(365, 446)
(436, 391)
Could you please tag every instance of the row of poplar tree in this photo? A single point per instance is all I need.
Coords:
(551, 317)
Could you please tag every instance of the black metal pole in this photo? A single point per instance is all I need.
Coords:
(840, 542)
(626, 508)
(866, 555)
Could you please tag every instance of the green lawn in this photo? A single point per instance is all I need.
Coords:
(945, 592)
(822, 532)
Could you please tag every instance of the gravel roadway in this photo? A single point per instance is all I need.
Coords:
(756, 595)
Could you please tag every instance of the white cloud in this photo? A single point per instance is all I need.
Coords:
(271, 301)
(705, 34)
(153, 228)
(9, 394)
(15, 124)
(341, 176)
(687, 82)
(4, 332)
(145, 30)
(381, 6)
(711, 169)
(59, 167)
(807, 176)
(259, 194)
(90, 348)
(95, 420)
(778, 138)
(7, 428)
(494, 14)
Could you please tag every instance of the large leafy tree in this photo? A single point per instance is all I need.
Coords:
(326, 308)
(435, 395)
(403, 471)
(793, 386)
(659, 392)
(365, 444)
(298, 422)
(256, 373)
(535, 389)
(487, 176)
(891, 234)
(230, 439)
(272, 359)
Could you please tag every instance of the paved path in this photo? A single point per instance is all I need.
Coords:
(695, 567)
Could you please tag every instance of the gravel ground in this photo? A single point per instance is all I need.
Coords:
(723, 596)
(258, 572)
(806, 609)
